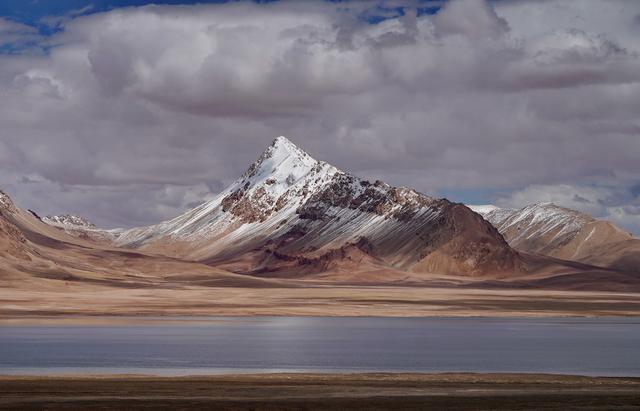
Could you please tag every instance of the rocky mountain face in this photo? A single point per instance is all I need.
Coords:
(13, 244)
(6, 204)
(290, 212)
(548, 229)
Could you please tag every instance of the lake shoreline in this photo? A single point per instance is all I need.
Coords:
(320, 391)
(153, 319)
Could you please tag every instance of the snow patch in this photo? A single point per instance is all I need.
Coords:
(68, 220)
(483, 209)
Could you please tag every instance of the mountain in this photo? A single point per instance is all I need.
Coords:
(80, 227)
(36, 255)
(290, 221)
(14, 248)
(68, 220)
(548, 229)
(292, 215)
(483, 209)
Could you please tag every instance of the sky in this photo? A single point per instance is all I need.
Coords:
(128, 113)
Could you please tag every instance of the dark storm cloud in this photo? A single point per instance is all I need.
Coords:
(136, 114)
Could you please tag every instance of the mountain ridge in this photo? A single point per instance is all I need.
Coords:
(289, 220)
(548, 229)
(288, 207)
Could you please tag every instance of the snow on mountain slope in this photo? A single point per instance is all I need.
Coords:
(36, 256)
(67, 220)
(283, 175)
(543, 220)
(80, 227)
(289, 211)
(346, 231)
(483, 209)
(548, 229)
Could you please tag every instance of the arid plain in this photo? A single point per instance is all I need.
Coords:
(90, 303)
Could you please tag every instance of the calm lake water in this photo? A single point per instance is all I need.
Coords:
(604, 346)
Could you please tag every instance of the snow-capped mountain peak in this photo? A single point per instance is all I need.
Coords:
(68, 220)
(281, 179)
(284, 175)
(283, 147)
(282, 162)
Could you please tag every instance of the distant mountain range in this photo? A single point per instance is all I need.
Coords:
(548, 229)
(291, 217)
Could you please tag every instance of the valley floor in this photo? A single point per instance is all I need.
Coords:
(322, 392)
(86, 303)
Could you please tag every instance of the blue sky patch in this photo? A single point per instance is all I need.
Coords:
(46, 17)
(33, 12)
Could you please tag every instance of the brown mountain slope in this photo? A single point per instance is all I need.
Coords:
(35, 254)
(15, 250)
(559, 232)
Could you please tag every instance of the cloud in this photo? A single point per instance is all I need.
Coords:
(14, 35)
(135, 114)
(471, 18)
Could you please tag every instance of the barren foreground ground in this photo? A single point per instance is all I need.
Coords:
(322, 392)
(82, 300)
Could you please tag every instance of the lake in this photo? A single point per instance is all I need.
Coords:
(190, 346)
